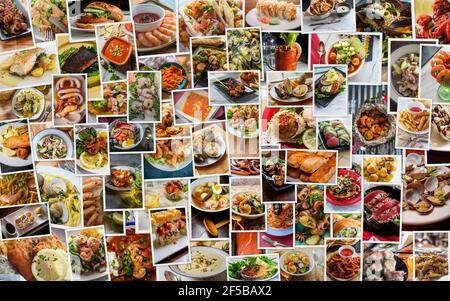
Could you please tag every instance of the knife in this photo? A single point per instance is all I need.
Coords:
(58, 24)
(325, 23)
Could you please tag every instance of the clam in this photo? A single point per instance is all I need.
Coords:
(59, 213)
(40, 180)
(431, 184)
(54, 187)
(412, 196)
(423, 206)
(419, 173)
(414, 159)
(416, 186)
(436, 201)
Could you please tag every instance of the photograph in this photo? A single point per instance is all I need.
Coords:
(210, 209)
(389, 262)
(34, 103)
(62, 190)
(51, 143)
(379, 168)
(80, 57)
(168, 127)
(112, 103)
(361, 53)
(312, 225)
(273, 15)
(435, 73)
(84, 16)
(193, 22)
(18, 189)
(169, 236)
(328, 16)
(439, 136)
(336, 134)
(247, 209)
(234, 87)
(244, 48)
(431, 256)
(253, 268)
(343, 258)
(243, 130)
(15, 146)
(330, 90)
(191, 106)
(302, 264)
(280, 227)
(413, 123)
(311, 167)
(430, 15)
(24, 221)
(285, 51)
(123, 187)
(15, 26)
(346, 225)
(48, 18)
(144, 96)
(290, 89)
(274, 188)
(87, 249)
(69, 99)
(92, 149)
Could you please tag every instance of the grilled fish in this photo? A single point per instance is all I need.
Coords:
(79, 61)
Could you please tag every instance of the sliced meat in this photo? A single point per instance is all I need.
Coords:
(79, 61)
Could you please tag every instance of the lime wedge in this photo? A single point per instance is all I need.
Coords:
(309, 138)
(118, 218)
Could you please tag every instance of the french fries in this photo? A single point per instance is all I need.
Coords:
(415, 122)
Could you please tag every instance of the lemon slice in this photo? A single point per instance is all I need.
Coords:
(90, 161)
(151, 200)
(128, 143)
(9, 152)
(50, 265)
(309, 138)
(118, 218)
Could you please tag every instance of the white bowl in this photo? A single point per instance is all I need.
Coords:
(39, 113)
(136, 143)
(55, 132)
(148, 8)
(283, 257)
(418, 104)
(200, 181)
(246, 216)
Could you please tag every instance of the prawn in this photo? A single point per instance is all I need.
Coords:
(161, 36)
(152, 39)
(86, 254)
(142, 40)
(166, 31)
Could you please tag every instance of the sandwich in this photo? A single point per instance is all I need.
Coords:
(347, 227)
(332, 82)
(97, 13)
(168, 226)
(286, 125)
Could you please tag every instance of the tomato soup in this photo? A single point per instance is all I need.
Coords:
(144, 18)
(196, 104)
(117, 51)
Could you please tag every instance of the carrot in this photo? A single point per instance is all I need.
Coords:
(172, 77)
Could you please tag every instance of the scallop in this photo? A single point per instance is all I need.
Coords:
(54, 187)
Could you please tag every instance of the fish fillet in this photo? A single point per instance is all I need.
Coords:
(79, 61)
(24, 61)
(22, 141)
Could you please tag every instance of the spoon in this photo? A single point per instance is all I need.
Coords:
(321, 51)
(213, 228)
(171, 276)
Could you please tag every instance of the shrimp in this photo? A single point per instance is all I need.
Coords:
(169, 26)
(152, 39)
(86, 254)
(139, 272)
(92, 183)
(143, 40)
(93, 243)
(80, 239)
(161, 36)
(166, 31)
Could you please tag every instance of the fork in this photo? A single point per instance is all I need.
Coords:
(273, 242)
(49, 35)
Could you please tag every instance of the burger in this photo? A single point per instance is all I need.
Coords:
(97, 13)
(347, 227)
(332, 82)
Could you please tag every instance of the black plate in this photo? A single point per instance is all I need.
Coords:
(322, 139)
(247, 96)
(389, 228)
(275, 187)
(324, 102)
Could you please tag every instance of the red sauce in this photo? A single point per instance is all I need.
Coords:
(415, 109)
(144, 18)
(346, 252)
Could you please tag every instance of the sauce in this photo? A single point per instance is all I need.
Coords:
(145, 18)
(117, 51)
(415, 109)
(196, 105)
(346, 252)
(342, 9)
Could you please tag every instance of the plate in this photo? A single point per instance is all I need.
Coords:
(145, 49)
(47, 132)
(165, 167)
(283, 257)
(436, 141)
(200, 181)
(279, 232)
(293, 99)
(112, 187)
(403, 107)
(28, 81)
(350, 200)
(337, 278)
(246, 216)
(252, 20)
(180, 104)
(322, 137)
(219, 253)
(210, 161)
(24, 10)
(14, 161)
(161, 253)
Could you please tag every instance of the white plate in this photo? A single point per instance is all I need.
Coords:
(145, 49)
(161, 253)
(219, 253)
(47, 132)
(46, 78)
(165, 167)
(210, 161)
(69, 176)
(252, 20)
(246, 216)
(280, 232)
(397, 176)
(283, 257)
(403, 105)
(439, 213)
(98, 171)
(398, 53)
(14, 161)
(200, 181)
(112, 187)
(274, 95)
(180, 104)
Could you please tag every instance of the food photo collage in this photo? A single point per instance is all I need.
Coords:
(224, 140)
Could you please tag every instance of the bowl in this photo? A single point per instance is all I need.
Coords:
(283, 257)
(323, 16)
(246, 216)
(343, 248)
(136, 142)
(117, 62)
(54, 132)
(415, 104)
(148, 8)
(200, 181)
(41, 109)
(343, 4)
